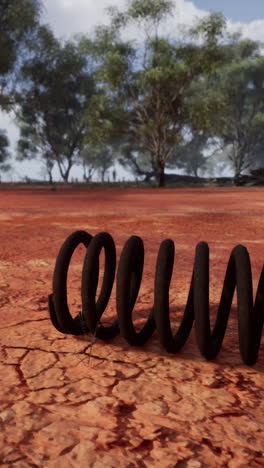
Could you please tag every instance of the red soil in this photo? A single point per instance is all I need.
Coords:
(125, 407)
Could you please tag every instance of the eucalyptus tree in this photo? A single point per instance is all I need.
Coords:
(134, 158)
(190, 154)
(4, 152)
(98, 157)
(243, 131)
(88, 160)
(238, 126)
(57, 87)
(19, 21)
(144, 84)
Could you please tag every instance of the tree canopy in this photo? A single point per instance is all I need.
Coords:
(238, 85)
(57, 88)
(153, 102)
(145, 86)
(243, 130)
(19, 20)
(4, 153)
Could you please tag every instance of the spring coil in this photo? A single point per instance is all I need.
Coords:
(129, 275)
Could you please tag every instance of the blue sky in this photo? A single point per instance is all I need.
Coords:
(68, 17)
(236, 10)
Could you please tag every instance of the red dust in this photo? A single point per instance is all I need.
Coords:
(58, 409)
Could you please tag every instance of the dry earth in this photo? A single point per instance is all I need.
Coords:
(124, 407)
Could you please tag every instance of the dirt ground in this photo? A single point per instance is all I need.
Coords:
(124, 406)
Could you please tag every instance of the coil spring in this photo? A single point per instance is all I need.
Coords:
(129, 275)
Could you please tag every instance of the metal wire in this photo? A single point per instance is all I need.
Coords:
(128, 279)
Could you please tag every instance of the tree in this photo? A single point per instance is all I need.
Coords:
(18, 23)
(56, 92)
(89, 162)
(145, 84)
(190, 155)
(134, 157)
(4, 153)
(96, 157)
(238, 125)
(243, 131)
(257, 161)
(49, 163)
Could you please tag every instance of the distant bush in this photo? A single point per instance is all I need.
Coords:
(258, 173)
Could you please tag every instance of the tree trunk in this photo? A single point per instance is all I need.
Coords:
(50, 177)
(238, 159)
(103, 171)
(237, 178)
(87, 178)
(161, 175)
(237, 175)
(65, 173)
(87, 173)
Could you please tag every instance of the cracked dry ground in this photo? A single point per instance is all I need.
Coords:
(124, 407)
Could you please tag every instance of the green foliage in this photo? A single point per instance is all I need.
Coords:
(90, 100)
(189, 155)
(4, 153)
(147, 86)
(105, 119)
(134, 157)
(227, 103)
(150, 12)
(57, 89)
(210, 29)
(96, 157)
(207, 106)
(154, 10)
(243, 126)
(18, 23)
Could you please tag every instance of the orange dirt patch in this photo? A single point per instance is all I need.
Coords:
(125, 407)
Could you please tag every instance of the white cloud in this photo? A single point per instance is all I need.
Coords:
(253, 30)
(186, 12)
(68, 17)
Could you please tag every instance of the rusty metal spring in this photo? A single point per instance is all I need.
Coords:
(129, 275)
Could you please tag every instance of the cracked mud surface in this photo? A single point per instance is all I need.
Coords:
(71, 402)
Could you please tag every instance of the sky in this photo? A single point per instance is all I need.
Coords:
(244, 11)
(69, 17)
